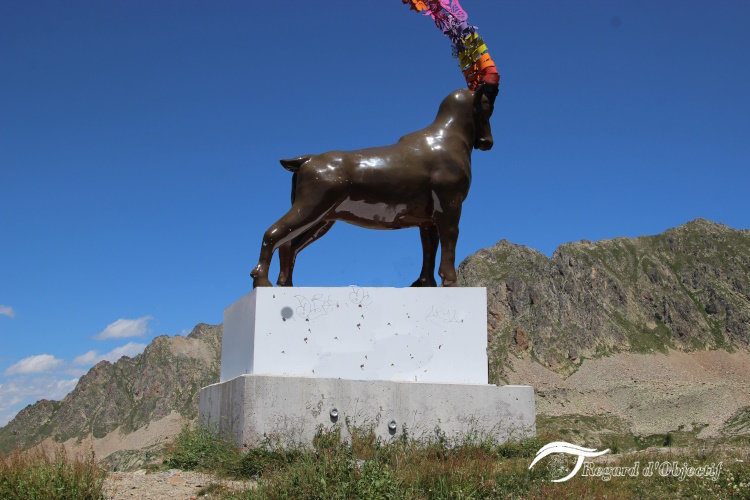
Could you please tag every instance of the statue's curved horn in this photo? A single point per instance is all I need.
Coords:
(488, 89)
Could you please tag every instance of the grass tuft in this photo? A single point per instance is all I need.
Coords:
(38, 475)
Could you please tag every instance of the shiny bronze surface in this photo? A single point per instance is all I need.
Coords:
(421, 181)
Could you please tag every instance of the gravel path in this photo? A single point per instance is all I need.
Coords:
(172, 484)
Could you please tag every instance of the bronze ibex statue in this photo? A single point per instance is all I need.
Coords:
(421, 181)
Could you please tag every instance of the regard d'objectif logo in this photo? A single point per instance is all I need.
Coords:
(570, 449)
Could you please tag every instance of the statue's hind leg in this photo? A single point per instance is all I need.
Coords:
(429, 237)
(305, 212)
(286, 264)
(288, 251)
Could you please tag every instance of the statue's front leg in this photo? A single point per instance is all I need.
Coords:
(448, 234)
(429, 237)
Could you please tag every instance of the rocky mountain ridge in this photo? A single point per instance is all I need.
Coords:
(685, 289)
(126, 395)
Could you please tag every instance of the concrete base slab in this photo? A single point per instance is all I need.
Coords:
(253, 409)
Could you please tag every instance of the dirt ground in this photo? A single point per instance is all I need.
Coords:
(164, 485)
(656, 393)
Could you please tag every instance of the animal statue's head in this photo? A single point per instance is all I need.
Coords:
(472, 109)
(484, 105)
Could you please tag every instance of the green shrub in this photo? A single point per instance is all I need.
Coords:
(256, 461)
(377, 481)
(201, 449)
(198, 448)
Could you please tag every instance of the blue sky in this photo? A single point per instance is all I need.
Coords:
(139, 147)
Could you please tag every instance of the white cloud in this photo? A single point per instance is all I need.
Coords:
(130, 349)
(92, 357)
(88, 358)
(74, 372)
(18, 392)
(125, 328)
(6, 417)
(7, 311)
(34, 364)
(8, 398)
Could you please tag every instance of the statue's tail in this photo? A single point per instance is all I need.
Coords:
(293, 164)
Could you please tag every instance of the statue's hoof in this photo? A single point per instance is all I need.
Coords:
(284, 283)
(424, 283)
(261, 282)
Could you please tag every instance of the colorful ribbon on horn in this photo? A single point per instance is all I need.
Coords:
(471, 51)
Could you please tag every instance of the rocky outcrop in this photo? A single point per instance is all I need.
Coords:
(686, 289)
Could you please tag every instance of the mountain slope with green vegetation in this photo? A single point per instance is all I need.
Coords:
(686, 289)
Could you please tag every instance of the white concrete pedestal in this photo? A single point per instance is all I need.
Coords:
(400, 334)
(294, 359)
